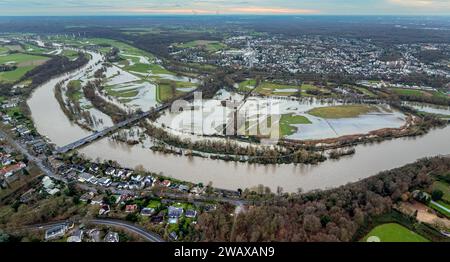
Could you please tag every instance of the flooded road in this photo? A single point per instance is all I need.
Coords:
(368, 160)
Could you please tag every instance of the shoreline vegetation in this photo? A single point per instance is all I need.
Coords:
(347, 213)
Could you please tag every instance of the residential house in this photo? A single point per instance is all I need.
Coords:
(94, 235)
(191, 213)
(131, 208)
(85, 177)
(165, 183)
(56, 232)
(147, 211)
(112, 237)
(174, 213)
(104, 210)
(98, 200)
(88, 196)
(183, 188)
(196, 190)
(104, 181)
(77, 236)
(110, 171)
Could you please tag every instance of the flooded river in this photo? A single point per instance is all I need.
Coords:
(368, 160)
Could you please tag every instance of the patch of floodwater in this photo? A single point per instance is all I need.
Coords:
(142, 59)
(427, 108)
(123, 77)
(100, 120)
(214, 116)
(55, 52)
(330, 128)
(205, 119)
(146, 97)
(287, 90)
(186, 89)
(178, 78)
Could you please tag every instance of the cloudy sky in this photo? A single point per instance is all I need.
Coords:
(142, 7)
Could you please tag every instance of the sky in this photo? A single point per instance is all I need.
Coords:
(223, 7)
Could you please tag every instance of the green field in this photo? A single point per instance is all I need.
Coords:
(19, 58)
(343, 111)
(210, 46)
(13, 76)
(145, 68)
(24, 62)
(3, 49)
(410, 92)
(247, 85)
(71, 54)
(393, 232)
(365, 91)
(123, 47)
(286, 122)
(270, 88)
(164, 93)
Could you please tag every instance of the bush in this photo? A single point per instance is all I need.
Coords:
(437, 195)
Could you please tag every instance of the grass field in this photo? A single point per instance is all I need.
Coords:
(247, 85)
(365, 91)
(410, 92)
(24, 63)
(19, 58)
(34, 49)
(343, 111)
(123, 47)
(71, 54)
(269, 88)
(3, 49)
(393, 232)
(145, 68)
(12, 76)
(210, 46)
(164, 92)
(286, 122)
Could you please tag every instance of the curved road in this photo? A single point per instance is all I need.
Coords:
(149, 236)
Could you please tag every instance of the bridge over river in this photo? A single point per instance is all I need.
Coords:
(110, 130)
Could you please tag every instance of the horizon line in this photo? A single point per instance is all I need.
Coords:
(240, 14)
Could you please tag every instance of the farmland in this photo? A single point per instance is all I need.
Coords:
(24, 63)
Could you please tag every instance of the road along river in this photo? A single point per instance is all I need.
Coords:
(368, 160)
